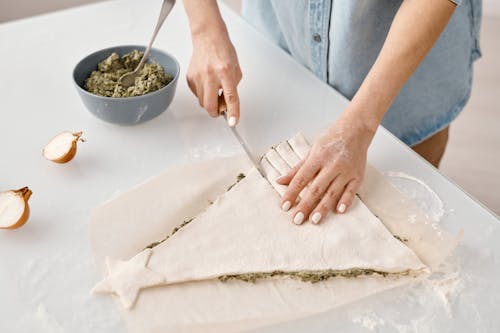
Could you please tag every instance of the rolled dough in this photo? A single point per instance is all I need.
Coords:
(244, 231)
(120, 228)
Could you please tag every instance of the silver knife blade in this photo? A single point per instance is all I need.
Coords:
(243, 144)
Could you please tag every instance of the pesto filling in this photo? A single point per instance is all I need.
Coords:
(310, 276)
(402, 240)
(176, 229)
(239, 178)
(104, 80)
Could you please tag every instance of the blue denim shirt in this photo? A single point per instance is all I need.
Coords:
(339, 40)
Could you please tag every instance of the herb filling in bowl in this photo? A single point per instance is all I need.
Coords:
(103, 81)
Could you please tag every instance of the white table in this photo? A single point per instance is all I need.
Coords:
(47, 269)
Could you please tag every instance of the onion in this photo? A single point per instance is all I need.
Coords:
(62, 148)
(14, 208)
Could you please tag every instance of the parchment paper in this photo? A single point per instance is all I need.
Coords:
(123, 226)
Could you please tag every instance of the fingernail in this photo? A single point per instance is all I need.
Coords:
(316, 217)
(231, 121)
(299, 218)
(341, 208)
(286, 206)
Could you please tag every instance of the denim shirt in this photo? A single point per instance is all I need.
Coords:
(339, 40)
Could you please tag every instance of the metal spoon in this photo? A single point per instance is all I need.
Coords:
(128, 79)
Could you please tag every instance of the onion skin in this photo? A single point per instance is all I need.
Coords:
(25, 193)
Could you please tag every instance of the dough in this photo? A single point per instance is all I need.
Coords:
(210, 306)
(126, 278)
(244, 231)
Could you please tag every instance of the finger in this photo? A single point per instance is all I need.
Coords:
(192, 86)
(210, 97)
(286, 179)
(348, 196)
(199, 93)
(329, 200)
(305, 174)
(197, 90)
(232, 101)
(314, 194)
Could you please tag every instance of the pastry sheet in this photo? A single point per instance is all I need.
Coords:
(123, 226)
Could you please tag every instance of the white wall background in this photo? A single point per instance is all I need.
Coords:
(16, 9)
(491, 8)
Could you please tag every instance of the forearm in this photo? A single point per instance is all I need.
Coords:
(204, 17)
(416, 27)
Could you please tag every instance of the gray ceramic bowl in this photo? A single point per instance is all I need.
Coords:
(126, 110)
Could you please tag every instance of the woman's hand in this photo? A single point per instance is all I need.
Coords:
(334, 168)
(214, 66)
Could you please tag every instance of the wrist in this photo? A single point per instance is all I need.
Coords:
(354, 125)
(208, 31)
(204, 18)
(366, 117)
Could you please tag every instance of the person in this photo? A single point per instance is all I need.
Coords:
(405, 64)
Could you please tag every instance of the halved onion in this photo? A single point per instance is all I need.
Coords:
(14, 208)
(62, 148)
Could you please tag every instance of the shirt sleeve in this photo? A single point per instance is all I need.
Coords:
(456, 2)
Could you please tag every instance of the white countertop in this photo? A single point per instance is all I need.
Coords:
(46, 267)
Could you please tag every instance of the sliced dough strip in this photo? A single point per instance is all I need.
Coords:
(300, 145)
(277, 162)
(272, 174)
(286, 152)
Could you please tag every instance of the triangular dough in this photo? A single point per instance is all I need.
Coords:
(245, 231)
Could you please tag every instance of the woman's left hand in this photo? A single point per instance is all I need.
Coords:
(334, 168)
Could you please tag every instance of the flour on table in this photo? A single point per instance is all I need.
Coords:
(369, 321)
(425, 197)
(47, 322)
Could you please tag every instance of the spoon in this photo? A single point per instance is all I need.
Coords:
(128, 79)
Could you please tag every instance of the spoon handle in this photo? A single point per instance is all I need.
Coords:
(166, 8)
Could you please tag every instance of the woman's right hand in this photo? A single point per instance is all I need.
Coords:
(214, 66)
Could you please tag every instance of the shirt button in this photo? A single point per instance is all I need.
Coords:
(317, 38)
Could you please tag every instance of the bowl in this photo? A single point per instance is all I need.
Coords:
(126, 110)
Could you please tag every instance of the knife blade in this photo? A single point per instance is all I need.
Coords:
(248, 152)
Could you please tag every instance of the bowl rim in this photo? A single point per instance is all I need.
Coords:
(176, 76)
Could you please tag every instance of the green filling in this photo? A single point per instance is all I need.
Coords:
(402, 240)
(308, 276)
(239, 178)
(179, 227)
(103, 81)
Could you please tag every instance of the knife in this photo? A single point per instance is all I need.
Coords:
(222, 111)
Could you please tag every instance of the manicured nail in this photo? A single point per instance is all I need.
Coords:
(231, 121)
(286, 206)
(299, 218)
(341, 208)
(316, 217)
